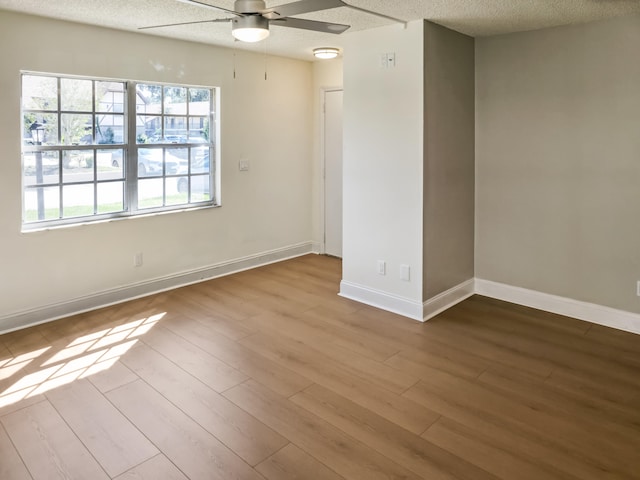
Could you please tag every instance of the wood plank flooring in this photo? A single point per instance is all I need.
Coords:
(268, 374)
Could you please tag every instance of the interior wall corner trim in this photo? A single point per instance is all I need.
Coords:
(447, 299)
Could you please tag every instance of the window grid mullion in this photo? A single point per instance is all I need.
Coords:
(131, 152)
(59, 113)
(60, 184)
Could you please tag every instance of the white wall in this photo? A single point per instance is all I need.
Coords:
(266, 209)
(383, 159)
(558, 161)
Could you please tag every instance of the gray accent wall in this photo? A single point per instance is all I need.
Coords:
(558, 161)
(448, 185)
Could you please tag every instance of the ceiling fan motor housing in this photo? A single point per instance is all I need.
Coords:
(249, 6)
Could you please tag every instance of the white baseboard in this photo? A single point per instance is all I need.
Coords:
(447, 299)
(590, 312)
(47, 313)
(317, 248)
(385, 301)
(404, 306)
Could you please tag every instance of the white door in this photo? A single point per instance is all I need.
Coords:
(333, 172)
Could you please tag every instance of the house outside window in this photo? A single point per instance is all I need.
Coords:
(96, 149)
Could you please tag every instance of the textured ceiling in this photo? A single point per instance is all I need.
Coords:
(472, 17)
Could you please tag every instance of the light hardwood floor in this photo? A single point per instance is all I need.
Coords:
(268, 374)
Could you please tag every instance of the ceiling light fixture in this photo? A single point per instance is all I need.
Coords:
(251, 28)
(325, 52)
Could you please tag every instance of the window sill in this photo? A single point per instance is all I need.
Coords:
(44, 228)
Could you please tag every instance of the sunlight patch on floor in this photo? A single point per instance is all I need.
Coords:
(81, 358)
(11, 366)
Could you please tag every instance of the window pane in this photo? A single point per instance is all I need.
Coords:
(200, 188)
(76, 129)
(110, 97)
(198, 130)
(109, 129)
(175, 100)
(175, 129)
(77, 200)
(110, 197)
(176, 161)
(148, 129)
(200, 160)
(176, 195)
(150, 162)
(148, 99)
(39, 93)
(76, 95)
(182, 184)
(110, 164)
(150, 193)
(40, 168)
(199, 101)
(77, 166)
(41, 203)
(40, 129)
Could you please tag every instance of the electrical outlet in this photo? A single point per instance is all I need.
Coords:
(391, 60)
(137, 259)
(405, 273)
(382, 267)
(638, 288)
(243, 165)
(387, 60)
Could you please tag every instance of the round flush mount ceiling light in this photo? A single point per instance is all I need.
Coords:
(325, 52)
(251, 28)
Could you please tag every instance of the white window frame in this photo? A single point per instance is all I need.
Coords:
(199, 183)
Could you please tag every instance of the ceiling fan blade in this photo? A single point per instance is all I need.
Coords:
(300, 7)
(310, 25)
(186, 23)
(206, 5)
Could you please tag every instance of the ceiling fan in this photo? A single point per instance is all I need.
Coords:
(251, 19)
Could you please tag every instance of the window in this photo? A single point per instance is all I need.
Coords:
(94, 149)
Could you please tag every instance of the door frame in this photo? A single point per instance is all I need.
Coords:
(323, 163)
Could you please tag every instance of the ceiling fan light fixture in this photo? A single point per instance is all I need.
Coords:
(250, 28)
(326, 52)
